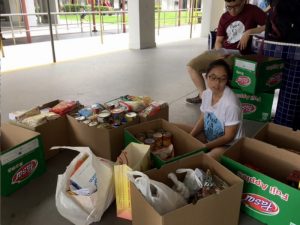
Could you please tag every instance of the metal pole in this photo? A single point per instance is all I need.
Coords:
(93, 16)
(51, 32)
(179, 11)
(192, 18)
(12, 30)
(24, 10)
(123, 16)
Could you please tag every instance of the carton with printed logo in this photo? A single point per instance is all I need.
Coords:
(21, 159)
(264, 169)
(257, 73)
(256, 107)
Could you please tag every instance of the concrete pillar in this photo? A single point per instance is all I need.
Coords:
(211, 13)
(141, 24)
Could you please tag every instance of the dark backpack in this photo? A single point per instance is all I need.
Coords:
(283, 22)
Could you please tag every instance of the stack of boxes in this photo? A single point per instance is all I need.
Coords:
(255, 78)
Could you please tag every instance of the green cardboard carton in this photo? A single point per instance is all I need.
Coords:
(256, 107)
(255, 73)
(22, 157)
(264, 169)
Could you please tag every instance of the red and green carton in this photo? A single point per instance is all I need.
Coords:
(22, 157)
(264, 169)
(256, 107)
(257, 73)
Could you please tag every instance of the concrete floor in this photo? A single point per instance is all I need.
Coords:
(158, 72)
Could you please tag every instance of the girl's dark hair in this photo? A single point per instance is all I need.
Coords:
(221, 63)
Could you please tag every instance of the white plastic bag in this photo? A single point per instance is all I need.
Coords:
(192, 180)
(163, 198)
(83, 210)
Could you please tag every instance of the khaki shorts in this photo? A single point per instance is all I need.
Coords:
(201, 62)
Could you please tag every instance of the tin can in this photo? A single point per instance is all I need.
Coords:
(151, 142)
(141, 137)
(167, 139)
(80, 118)
(93, 123)
(103, 117)
(86, 122)
(149, 133)
(130, 116)
(117, 115)
(158, 137)
(96, 108)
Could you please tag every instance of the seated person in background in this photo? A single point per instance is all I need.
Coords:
(220, 121)
(234, 30)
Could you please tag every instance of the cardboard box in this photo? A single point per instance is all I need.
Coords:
(266, 196)
(105, 143)
(256, 107)
(22, 157)
(53, 133)
(184, 144)
(257, 73)
(280, 136)
(212, 210)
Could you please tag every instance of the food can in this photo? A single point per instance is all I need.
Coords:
(80, 118)
(167, 139)
(103, 117)
(151, 142)
(149, 133)
(141, 136)
(117, 115)
(97, 108)
(86, 122)
(158, 137)
(130, 116)
(93, 123)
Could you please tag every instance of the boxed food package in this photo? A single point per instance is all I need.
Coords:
(265, 169)
(210, 210)
(257, 107)
(53, 132)
(22, 157)
(280, 136)
(257, 73)
(183, 144)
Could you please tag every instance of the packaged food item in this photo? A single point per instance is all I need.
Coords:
(64, 107)
(97, 108)
(158, 137)
(151, 142)
(21, 115)
(164, 153)
(104, 117)
(130, 116)
(117, 116)
(35, 121)
(167, 139)
(86, 112)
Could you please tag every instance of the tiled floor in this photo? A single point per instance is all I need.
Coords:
(158, 72)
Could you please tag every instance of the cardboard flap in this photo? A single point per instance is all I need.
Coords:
(13, 135)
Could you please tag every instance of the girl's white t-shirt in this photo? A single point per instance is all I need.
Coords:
(226, 112)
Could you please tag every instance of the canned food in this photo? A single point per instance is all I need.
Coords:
(149, 133)
(92, 124)
(80, 118)
(97, 108)
(117, 115)
(141, 137)
(167, 139)
(130, 116)
(151, 142)
(86, 122)
(103, 117)
(158, 137)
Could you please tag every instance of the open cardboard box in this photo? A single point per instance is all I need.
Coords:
(184, 144)
(266, 196)
(22, 157)
(53, 133)
(212, 210)
(105, 143)
(280, 136)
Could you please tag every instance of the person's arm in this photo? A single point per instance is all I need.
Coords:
(199, 126)
(219, 42)
(230, 132)
(245, 38)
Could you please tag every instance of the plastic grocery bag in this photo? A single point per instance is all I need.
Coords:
(83, 210)
(163, 198)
